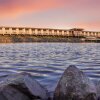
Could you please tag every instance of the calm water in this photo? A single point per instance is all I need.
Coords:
(47, 61)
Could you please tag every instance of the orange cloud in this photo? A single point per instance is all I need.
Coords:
(92, 25)
(82, 13)
(13, 8)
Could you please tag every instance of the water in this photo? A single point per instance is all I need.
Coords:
(47, 61)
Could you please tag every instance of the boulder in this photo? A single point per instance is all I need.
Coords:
(22, 86)
(97, 84)
(75, 85)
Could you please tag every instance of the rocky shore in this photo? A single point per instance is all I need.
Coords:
(33, 38)
(73, 85)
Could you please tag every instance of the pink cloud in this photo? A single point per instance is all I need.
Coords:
(83, 13)
(13, 8)
(92, 25)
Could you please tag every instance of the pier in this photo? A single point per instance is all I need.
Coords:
(75, 33)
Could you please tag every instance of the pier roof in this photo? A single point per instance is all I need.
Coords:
(77, 29)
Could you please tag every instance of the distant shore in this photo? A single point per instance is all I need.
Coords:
(34, 38)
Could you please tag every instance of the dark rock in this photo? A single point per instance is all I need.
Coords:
(97, 84)
(10, 93)
(75, 85)
(22, 86)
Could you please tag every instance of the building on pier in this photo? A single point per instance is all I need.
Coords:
(75, 32)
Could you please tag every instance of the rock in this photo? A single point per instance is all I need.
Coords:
(22, 86)
(10, 93)
(98, 89)
(75, 85)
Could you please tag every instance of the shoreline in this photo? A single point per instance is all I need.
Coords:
(43, 39)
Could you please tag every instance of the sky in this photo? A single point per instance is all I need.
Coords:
(63, 14)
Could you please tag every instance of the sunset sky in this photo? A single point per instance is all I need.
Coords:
(62, 14)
